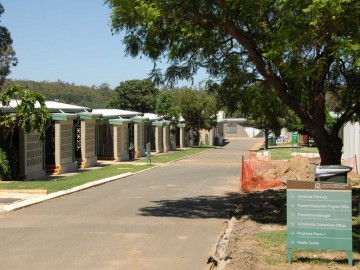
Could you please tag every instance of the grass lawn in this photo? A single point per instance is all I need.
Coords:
(83, 177)
(86, 176)
(284, 151)
(175, 155)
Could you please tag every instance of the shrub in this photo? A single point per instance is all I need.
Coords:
(4, 165)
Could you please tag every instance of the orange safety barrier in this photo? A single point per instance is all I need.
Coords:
(252, 170)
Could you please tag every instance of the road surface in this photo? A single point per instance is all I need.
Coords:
(169, 217)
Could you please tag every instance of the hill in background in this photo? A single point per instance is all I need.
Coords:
(95, 97)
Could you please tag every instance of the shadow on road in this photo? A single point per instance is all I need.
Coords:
(266, 207)
(195, 207)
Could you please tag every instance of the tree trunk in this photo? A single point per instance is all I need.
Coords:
(329, 147)
(266, 145)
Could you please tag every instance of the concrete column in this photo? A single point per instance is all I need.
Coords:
(182, 137)
(159, 146)
(88, 155)
(166, 138)
(31, 156)
(220, 133)
(173, 137)
(64, 147)
(139, 139)
(211, 136)
(121, 142)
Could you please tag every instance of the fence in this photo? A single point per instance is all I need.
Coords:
(352, 162)
(252, 170)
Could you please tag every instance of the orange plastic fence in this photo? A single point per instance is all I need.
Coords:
(252, 170)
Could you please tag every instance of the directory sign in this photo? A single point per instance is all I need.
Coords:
(294, 137)
(319, 216)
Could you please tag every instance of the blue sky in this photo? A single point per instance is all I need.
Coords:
(71, 41)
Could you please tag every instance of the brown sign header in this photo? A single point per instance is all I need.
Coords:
(317, 185)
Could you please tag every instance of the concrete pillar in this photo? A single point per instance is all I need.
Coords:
(159, 146)
(182, 137)
(220, 133)
(64, 141)
(166, 138)
(139, 139)
(173, 137)
(88, 154)
(211, 136)
(31, 156)
(121, 142)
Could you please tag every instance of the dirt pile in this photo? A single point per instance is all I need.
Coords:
(297, 168)
(302, 168)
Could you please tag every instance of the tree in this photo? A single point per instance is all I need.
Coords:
(252, 102)
(165, 106)
(302, 48)
(7, 53)
(135, 95)
(262, 116)
(30, 114)
(198, 109)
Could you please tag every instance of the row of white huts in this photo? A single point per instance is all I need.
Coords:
(77, 137)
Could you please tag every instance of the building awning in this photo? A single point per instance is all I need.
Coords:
(234, 120)
(118, 121)
(159, 123)
(139, 119)
(116, 113)
(52, 106)
(153, 117)
(58, 107)
(167, 122)
(64, 116)
(89, 116)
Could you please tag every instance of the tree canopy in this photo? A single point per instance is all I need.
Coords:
(135, 95)
(197, 107)
(166, 106)
(7, 53)
(304, 49)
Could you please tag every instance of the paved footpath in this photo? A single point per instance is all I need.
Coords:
(169, 217)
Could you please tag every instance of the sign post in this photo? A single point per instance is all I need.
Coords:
(294, 138)
(148, 154)
(319, 216)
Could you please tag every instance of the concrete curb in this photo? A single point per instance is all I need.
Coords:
(28, 202)
(220, 259)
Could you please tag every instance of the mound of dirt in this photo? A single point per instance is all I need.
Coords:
(296, 168)
(302, 168)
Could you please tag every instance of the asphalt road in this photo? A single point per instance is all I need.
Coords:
(165, 218)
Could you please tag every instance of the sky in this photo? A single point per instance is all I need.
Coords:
(71, 41)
